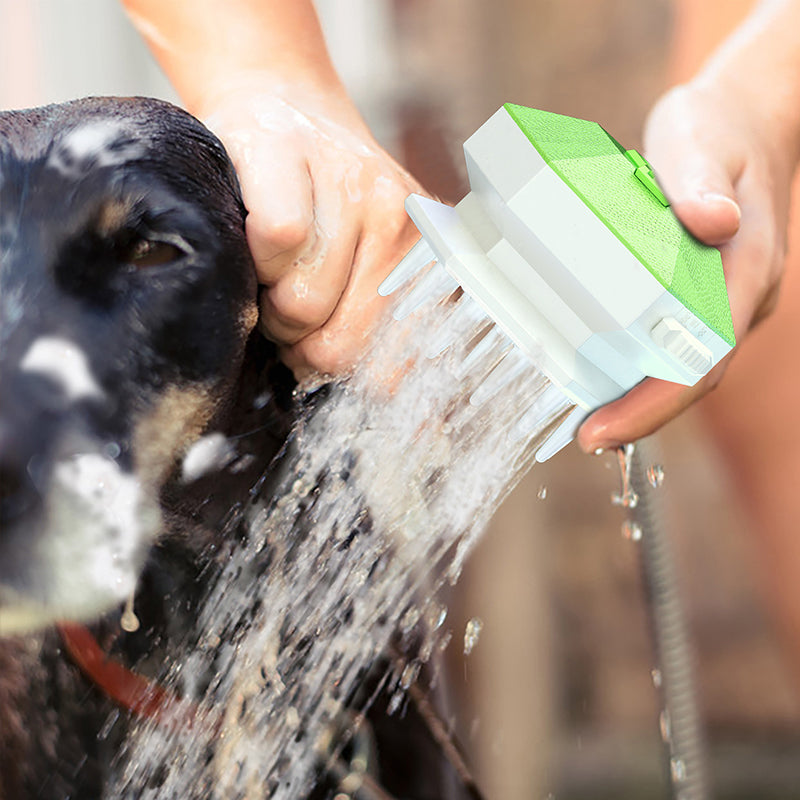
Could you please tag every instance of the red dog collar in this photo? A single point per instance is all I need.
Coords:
(128, 689)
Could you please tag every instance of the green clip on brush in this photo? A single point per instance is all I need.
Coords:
(568, 245)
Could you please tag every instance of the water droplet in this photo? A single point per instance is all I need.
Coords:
(471, 634)
(626, 497)
(655, 475)
(664, 725)
(542, 494)
(454, 572)
(657, 677)
(410, 674)
(108, 725)
(78, 767)
(112, 450)
(677, 768)
(435, 616)
(410, 619)
(632, 531)
(426, 650)
(129, 622)
(394, 703)
(292, 718)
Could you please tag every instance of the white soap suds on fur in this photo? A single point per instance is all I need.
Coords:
(100, 143)
(212, 452)
(104, 523)
(64, 363)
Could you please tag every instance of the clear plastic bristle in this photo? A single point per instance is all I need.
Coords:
(414, 260)
(489, 356)
(463, 322)
(563, 435)
(486, 353)
(434, 285)
(507, 370)
(547, 404)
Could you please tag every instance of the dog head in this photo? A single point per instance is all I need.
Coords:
(126, 294)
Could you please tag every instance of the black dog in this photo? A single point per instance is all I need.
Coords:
(127, 302)
(127, 297)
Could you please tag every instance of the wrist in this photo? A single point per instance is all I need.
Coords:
(296, 87)
(258, 97)
(756, 74)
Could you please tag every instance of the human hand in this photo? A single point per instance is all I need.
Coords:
(326, 220)
(727, 171)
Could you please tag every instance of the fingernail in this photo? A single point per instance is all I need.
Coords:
(716, 197)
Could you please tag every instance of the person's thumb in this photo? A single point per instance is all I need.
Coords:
(697, 178)
(705, 203)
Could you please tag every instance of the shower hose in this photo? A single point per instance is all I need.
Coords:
(681, 728)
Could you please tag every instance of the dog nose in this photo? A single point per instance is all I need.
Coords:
(17, 489)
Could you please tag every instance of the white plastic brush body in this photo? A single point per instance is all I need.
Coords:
(566, 244)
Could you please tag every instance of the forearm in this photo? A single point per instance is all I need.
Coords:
(209, 48)
(758, 67)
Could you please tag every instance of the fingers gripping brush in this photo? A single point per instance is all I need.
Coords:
(567, 245)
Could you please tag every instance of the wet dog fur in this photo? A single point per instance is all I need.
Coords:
(127, 297)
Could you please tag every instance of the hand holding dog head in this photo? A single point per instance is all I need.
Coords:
(326, 221)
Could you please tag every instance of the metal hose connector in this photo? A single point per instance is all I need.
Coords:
(680, 724)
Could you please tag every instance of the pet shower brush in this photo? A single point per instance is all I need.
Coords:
(567, 245)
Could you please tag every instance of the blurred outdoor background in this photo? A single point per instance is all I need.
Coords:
(557, 697)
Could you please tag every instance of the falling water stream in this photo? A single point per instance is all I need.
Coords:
(382, 493)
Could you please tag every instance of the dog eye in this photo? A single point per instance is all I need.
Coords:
(152, 253)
